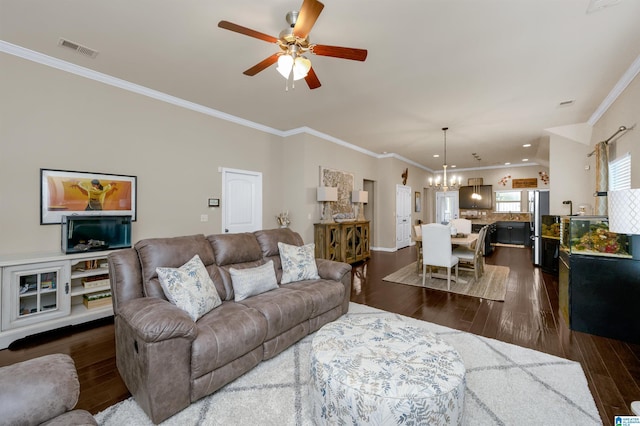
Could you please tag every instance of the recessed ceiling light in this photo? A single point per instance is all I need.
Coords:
(525, 159)
(526, 145)
(453, 166)
(506, 164)
(436, 155)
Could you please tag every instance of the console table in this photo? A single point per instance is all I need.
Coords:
(343, 242)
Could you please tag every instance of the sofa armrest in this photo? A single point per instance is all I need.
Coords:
(155, 320)
(332, 270)
(37, 390)
(338, 271)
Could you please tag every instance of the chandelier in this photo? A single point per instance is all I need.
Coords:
(445, 185)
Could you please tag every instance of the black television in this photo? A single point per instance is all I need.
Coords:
(95, 233)
(466, 202)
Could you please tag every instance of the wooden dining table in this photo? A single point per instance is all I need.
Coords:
(466, 240)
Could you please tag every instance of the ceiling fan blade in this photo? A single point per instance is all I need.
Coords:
(309, 13)
(312, 79)
(246, 31)
(340, 52)
(262, 65)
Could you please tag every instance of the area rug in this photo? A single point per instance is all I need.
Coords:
(492, 285)
(506, 385)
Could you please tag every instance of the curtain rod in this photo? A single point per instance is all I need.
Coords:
(620, 129)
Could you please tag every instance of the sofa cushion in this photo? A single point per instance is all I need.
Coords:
(269, 239)
(225, 334)
(283, 309)
(298, 263)
(190, 288)
(325, 294)
(170, 253)
(249, 282)
(235, 248)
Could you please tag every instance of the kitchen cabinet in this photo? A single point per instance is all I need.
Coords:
(512, 232)
(467, 202)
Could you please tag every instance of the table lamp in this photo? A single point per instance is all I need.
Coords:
(327, 194)
(624, 216)
(360, 197)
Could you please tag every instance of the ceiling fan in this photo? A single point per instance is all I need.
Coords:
(294, 43)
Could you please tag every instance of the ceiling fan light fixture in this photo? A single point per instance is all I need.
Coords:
(285, 63)
(301, 67)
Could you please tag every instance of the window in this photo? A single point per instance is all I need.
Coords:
(620, 173)
(508, 201)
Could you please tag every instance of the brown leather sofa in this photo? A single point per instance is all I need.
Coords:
(42, 391)
(167, 360)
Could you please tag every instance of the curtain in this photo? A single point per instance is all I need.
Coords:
(602, 176)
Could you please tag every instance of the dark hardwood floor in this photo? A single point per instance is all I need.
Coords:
(528, 317)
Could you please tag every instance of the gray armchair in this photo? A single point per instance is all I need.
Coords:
(42, 390)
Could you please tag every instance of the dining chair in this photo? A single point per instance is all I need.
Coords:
(475, 255)
(437, 251)
(463, 226)
(417, 230)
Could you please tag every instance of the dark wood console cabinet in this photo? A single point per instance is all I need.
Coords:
(599, 295)
(343, 242)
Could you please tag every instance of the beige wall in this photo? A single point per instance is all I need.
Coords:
(568, 176)
(57, 120)
(53, 119)
(569, 162)
(625, 111)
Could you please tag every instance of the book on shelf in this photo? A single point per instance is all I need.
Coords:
(95, 281)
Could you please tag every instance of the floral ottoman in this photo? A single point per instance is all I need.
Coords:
(380, 370)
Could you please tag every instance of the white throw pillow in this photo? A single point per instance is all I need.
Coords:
(190, 288)
(298, 263)
(249, 282)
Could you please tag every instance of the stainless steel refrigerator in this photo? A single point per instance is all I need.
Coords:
(538, 206)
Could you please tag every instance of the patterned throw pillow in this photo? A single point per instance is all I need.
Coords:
(249, 282)
(298, 263)
(190, 288)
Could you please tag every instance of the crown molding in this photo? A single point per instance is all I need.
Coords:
(617, 90)
(65, 66)
(90, 74)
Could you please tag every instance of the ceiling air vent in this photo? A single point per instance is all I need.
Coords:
(83, 50)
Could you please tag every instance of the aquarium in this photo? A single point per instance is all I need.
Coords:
(95, 233)
(591, 235)
(550, 227)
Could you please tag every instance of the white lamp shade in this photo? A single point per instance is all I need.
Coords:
(360, 197)
(624, 211)
(285, 63)
(327, 193)
(301, 68)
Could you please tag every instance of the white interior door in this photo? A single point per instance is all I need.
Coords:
(447, 206)
(241, 201)
(403, 216)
